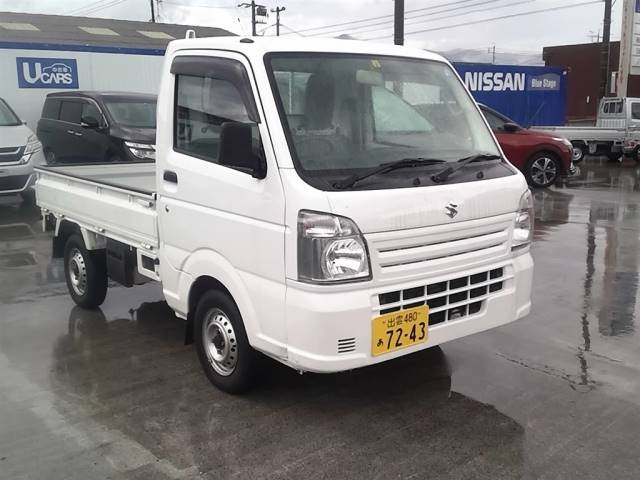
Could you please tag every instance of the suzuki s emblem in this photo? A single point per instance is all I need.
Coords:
(451, 209)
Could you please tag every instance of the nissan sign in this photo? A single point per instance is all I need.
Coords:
(47, 72)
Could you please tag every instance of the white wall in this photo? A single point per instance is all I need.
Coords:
(96, 71)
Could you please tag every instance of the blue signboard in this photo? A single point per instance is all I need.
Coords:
(47, 72)
(528, 95)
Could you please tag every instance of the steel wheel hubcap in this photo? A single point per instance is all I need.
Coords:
(77, 272)
(543, 171)
(220, 342)
(577, 154)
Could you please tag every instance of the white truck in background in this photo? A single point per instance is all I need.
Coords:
(301, 206)
(617, 131)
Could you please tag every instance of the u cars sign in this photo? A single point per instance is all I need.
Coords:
(47, 72)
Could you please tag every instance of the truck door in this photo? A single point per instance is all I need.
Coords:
(212, 211)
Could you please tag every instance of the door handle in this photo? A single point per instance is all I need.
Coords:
(77, 134)
(71, 132)
(170, 176)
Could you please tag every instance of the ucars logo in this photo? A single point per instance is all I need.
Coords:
(47, 72)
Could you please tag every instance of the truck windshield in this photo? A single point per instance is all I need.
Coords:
(345, 114)
(7, 116)
(137, 114)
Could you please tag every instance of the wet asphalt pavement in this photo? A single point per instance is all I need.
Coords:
(114, 393)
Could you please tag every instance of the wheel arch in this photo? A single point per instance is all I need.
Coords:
(207, 270)
(63, 230)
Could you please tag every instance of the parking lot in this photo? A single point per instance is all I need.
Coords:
(114, 393)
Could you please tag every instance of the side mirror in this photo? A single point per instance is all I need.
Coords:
(235, 149)
(511, 127)
(24, 122)
(89, 122)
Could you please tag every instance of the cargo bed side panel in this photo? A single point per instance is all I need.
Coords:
(126, 216)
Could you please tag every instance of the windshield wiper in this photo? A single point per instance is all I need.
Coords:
(442, 176)
(385, 168)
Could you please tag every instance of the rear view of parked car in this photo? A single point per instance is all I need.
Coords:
(20, 150)
(80, 127)
(542, 156)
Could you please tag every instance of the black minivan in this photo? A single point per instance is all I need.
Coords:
(84, 126)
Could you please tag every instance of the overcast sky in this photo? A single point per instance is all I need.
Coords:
(519, 34)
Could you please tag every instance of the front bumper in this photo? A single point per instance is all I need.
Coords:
(319, 324)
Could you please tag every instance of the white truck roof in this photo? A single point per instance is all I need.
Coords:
(258, 46)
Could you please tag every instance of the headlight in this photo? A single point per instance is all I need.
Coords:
(523, 224)
(144, 151)
(33, 146)
(330, 249)
(563, 141)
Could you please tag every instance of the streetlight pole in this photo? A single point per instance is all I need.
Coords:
(153, 13)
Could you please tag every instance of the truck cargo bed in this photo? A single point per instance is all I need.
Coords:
(114, 200)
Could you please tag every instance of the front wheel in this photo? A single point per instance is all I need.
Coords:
(222, 345)
(85, 272)
(543, 170)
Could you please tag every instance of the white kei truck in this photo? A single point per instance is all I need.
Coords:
(331, 204)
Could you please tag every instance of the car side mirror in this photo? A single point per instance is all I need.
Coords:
(511, 127)
(88, 121)
(236, 151)
(24, 122)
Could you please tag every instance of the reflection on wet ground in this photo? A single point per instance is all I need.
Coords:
(114, 393)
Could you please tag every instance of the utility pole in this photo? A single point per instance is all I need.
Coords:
(256, 9)
(277, 11)
(606, 50)
(398, 22)
(153, 13)
(493, 50)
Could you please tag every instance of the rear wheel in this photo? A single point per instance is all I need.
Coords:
(580, 149)
(543, 170)
(222, 345)
(85, 273)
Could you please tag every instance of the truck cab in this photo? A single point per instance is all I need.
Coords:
(331, 204)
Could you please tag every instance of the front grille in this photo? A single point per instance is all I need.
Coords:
(405, 253)
(11, 154)
(448, 300)
(16, 182)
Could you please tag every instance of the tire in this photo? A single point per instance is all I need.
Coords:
(543, 170)
(85, 273)
(580, 149)
(230, 362)
(50, 157)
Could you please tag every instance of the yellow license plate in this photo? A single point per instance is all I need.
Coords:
(401, 329)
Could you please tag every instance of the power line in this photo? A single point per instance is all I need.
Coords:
(85, 7)
(109, 5)
(390, 21)
(292, 30)
(187, 5)
(388, 24)
(492, 19)
(433, 7)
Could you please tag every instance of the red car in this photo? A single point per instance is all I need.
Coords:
(541, 156)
